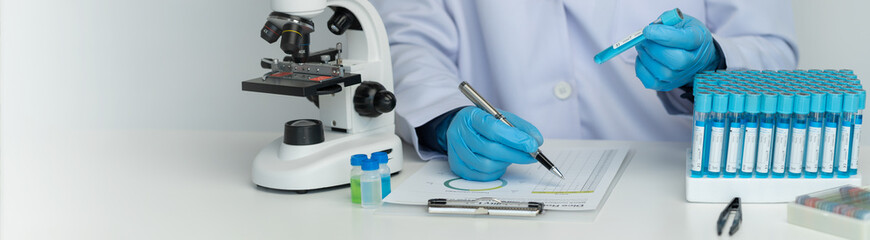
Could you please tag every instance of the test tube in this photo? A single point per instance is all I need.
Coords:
(750, 134)
(850, 106)
(765, 134)
(798, 134)
(717, 134)
(856, 135)
(703, 104)
(785, 106)
(814, 135)
(834, 104)
(668, 18)
(735, 134)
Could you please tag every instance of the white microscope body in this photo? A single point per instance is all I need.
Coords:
(355, 113)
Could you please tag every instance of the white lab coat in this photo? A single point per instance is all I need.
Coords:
(534, 58)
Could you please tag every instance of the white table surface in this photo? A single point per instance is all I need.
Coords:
(196, 185)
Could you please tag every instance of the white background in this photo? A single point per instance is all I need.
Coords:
(178, 64)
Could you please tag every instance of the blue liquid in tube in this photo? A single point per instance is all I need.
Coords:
(799, 135)
(834, 102)
(785, 105)
(765, 135)
(750, 134)
(669, 18)
(735, 134)
(703, 104)
(815, 139)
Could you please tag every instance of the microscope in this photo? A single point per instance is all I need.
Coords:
(354, 95)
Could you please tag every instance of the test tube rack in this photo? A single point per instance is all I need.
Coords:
(771, 179)
(756, 190)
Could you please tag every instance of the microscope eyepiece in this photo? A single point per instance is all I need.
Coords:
(340, 21)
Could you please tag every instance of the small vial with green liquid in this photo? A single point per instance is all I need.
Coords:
(355, 172)
(669, 18)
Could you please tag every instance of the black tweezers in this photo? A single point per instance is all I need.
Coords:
(733, 207)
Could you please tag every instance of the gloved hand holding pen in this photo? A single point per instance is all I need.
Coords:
(480, 147)
(671, 55)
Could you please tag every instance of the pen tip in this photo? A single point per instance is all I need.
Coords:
(558, 173)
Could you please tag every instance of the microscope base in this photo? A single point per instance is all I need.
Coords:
(327, 164)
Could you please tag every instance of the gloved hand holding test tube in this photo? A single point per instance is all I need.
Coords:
(668, 18)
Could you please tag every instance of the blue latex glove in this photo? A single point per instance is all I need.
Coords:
(671, 55)
(480, 147)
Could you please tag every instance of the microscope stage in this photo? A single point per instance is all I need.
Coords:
(297, 84)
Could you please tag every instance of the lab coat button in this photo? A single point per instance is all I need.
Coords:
(562, 90)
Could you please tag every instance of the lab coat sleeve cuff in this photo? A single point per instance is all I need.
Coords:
(407, 125)
(675, 104)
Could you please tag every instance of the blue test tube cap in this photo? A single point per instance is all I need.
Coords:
(369, 165)
(752, 102)
(768, 102)
(671, 17)
(785, 103)
(850, 102)
(846, 71)
(817, 101)
(862, 97)
(381, 157)
(720, 102)
(703, 101)
(834, 102)
(357, 159)
(736, 103)
(802, 103)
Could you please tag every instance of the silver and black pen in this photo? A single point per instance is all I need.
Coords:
(478, 100)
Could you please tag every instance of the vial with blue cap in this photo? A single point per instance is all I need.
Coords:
(850, 106)
(833, 107)
(735, 133)
(814, 134)
(799, 134)
(669, 18)
(858, 120)
(370, 185)
(765, 134)
(784, 108)
(703, 104)
(355, 172)
(750, 133)
(383, 158)
(717, 134)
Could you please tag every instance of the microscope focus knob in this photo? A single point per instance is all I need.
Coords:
(303, 132)
(371, 99)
